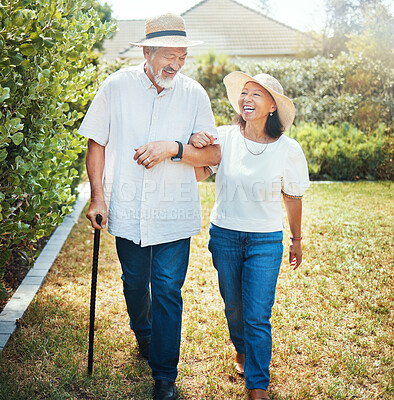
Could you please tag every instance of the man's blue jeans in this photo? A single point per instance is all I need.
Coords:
(152, 280)
(248, 266)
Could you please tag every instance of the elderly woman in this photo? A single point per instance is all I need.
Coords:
(259, 166)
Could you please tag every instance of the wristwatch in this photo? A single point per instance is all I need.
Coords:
(178, 157)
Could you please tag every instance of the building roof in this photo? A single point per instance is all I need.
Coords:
(128, 31)
(225, 26)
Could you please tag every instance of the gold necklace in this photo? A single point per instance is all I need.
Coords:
(250, 151)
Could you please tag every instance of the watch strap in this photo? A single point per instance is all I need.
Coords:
(178, 157)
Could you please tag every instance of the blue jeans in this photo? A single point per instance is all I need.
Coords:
(152, 280)
(248, 266)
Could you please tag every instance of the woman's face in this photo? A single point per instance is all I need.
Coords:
(255, 103)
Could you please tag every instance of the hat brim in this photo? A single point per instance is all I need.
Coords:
(236, 81)
(168, 41)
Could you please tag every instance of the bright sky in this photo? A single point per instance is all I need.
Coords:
(304, 15)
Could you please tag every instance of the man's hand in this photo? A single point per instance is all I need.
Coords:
(201, 139)
(97, 207)
(153, 153)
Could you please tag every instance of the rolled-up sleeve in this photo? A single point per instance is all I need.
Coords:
(96, 123)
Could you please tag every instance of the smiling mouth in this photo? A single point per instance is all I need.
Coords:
(248, 109)
(170, 71)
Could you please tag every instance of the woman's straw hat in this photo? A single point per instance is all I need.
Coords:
(235, 82)
(167, 30)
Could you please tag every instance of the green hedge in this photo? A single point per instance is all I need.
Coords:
(350, 88)
(327, 91)
(46, 82)
(345, 153)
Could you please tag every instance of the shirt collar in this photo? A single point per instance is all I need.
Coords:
(148, 83)
(144, 78)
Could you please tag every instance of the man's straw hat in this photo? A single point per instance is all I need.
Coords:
(235, 82)
(167, 30)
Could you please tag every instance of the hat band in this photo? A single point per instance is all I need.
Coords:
(165, 33)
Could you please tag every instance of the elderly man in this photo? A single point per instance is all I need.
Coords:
(139, 162)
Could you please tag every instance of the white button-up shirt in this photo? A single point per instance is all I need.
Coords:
(161, 204)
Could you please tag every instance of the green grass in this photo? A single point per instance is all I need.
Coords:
(332, 320)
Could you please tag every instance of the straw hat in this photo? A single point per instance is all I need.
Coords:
(167, 30)
(235, 82)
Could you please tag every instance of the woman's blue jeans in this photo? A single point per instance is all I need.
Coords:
(248, 266)
(152, 280)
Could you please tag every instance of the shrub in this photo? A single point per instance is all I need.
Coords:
(209, 69)
(350, 88)
(344, 152)
(45, 85)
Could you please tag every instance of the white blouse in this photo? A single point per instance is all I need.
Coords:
(248, 187)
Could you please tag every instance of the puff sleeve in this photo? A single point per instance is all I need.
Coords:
(295, 179)
(222, 131)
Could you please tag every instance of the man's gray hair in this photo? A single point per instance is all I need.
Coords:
(153, 49)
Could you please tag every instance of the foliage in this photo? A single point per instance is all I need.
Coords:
(210, 69)
(45, 85)
(350, 88)
(344, 153)
(356, 18)
(104, 12)
(377, 38)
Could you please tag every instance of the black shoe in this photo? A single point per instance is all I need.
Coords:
(165, 390)
(143, 346)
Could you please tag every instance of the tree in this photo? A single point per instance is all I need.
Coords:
(377, 39)
(104, 11)
(352, 18)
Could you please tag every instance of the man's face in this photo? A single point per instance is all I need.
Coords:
(164, 64)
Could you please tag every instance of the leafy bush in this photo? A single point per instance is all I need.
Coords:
(209, 69)
(45, 85)
(350, 88)
(344, 152)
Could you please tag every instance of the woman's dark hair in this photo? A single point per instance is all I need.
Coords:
(273, 127)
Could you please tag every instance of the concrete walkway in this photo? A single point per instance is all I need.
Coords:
(32, 282)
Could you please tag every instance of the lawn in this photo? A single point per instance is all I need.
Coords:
(332, 320)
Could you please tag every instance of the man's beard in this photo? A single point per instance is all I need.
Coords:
(164, 83)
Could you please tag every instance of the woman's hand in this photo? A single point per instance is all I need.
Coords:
(295, 254)
(201, 139)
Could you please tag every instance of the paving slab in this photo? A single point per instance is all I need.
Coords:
(3, 340)
(7, 328)
(36, 273)
(11, 315)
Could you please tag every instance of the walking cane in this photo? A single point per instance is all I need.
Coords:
(96, 248)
